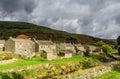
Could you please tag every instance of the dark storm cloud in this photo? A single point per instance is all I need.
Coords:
(99, 18)
(16, 9)
(10, 6)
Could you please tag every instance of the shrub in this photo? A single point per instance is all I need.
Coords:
(99, 56)
(106, 49)
(57, 42)
(100, 43)
(118, 40)
(119, 50)
(87, 53)
(89, 63)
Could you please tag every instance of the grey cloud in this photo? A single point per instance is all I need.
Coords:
(12, 7)
(99, 18)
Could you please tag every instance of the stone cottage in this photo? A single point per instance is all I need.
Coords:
(93, 49)
(98, 49)
(47, 47)
(2, 44)
(80, 49)
(90, 48)
(21, 47)
(66, 46)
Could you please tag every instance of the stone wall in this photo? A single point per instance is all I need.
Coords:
(7, 61)
(94, 73)
(91, 72)
(77, 74)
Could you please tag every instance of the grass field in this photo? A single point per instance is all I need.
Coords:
(37, 60)
(114, 74)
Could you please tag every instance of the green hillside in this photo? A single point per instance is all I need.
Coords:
(14, 29)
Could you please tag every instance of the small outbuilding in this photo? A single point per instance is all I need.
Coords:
(65, 54)
(48, 56)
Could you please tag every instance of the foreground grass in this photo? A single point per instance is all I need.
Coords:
(37, 60)
(114, 74)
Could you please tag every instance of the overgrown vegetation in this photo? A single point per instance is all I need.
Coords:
(106, 49)
(53, 69)
(5, 56)
(99, 56)
(38, 60)
(118, 44)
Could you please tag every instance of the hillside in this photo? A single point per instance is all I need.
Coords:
(14, 29)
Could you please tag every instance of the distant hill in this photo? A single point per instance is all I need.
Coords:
(14, 29)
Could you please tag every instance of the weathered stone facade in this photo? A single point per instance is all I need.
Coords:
(2, 45)
(48, 56)
(68, 55)
(49, 50)
(80, 49)
(47, 47)
(20, 46)
(91, 48)
(66, 46)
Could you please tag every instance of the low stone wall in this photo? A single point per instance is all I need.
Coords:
(7, 61)
(91, 72)
(94, 74)
(77, 74)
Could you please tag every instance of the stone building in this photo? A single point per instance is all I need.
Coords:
(66, 46)
(98, 49)
(2, 44)
(90, 48)
(21, 47)
(93, 49)
(68, 54)
(47, 47)
(80, 49)
(65, 54)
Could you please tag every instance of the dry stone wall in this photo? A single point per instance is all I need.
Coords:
(78, 74)
(91, 72)
(94, 74)
(7, 61)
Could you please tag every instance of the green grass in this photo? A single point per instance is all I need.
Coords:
(37, 60)
(114, 74)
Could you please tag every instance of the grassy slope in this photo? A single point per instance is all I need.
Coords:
(114, 74)
(23, 62)
(8, 29)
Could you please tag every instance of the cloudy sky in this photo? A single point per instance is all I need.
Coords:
(99, 18)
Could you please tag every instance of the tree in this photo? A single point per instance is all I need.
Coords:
(118, 40)
(100, 43)
(71, 40)
(119, 50)
(106, 49)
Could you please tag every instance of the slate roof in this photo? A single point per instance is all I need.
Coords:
(45, 42)
(22, 40)
(67, 44)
